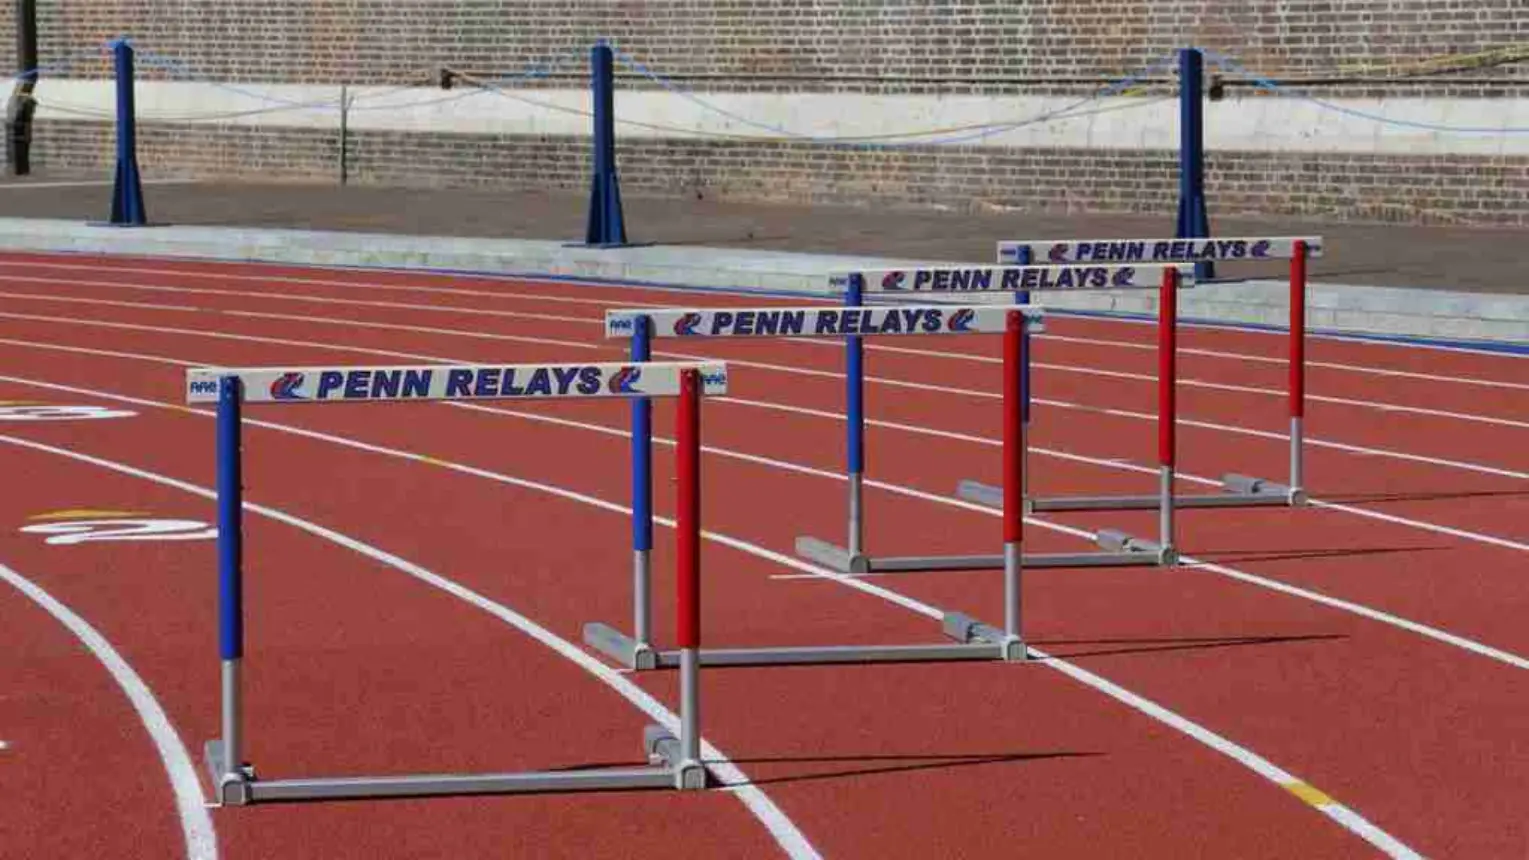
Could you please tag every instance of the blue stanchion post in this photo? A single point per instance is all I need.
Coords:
(127, 208)
(606, 226)
(854, 381)
(1193, 222)
(642, 490)
(230, 566)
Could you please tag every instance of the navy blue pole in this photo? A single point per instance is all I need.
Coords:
(1193, 222)
(854, 378)
(642, 446)
(127, 195)
(230, 522)
(605, 226)
(1022, 297)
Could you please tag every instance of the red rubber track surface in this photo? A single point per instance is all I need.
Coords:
(356, 668)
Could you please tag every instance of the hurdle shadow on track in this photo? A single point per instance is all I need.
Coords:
(876, 765)
(1246, 555)
(892, 763)
(1061, 649)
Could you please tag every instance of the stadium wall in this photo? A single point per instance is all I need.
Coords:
(251, 88)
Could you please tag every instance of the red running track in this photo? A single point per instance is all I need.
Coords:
(1306, 661)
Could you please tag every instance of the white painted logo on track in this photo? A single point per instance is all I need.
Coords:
(48, 412)
(69, 527)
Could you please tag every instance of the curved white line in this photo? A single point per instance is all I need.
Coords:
(1188, 382)
(529, 283)
(1313, 441)
(1344, 815)
(1269, 359)
(1191, 382)
(780, 827)
(891, 425)
(190, 805)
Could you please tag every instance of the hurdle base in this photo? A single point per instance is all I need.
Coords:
(1237, 491)
(974, 641)
(232, 789)
(1120, 549)
(620, 647)
(665, 770)
(1135, 553)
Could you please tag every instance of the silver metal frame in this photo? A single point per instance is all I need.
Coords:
(1238, 491)
(973, 641)
(672, 762)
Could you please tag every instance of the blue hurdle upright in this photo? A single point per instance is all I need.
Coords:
(674, 762)
(1117, 548)
(973, 640)
(1238, 491)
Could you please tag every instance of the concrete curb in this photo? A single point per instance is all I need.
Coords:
(1364, 310)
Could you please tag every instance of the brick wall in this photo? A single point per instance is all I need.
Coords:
(1332, 47)
(808, 44)
(1452, 190)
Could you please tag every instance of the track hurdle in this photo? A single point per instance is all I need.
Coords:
(1237, 490)
(674, 762)
(1116, 547)
(974, 640)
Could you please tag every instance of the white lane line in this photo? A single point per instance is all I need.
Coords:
(1124, 413)
(1269, 359)
(1313, 441)
(1189, 382)
(775, 821)
(1350, 819)
(1109, 463)
(196, 824)
(310, 282)
(1188, 561)
(1436, 634)
(530, 291)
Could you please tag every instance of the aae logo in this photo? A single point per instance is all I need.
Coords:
(686, 324)
(204, 386)
(286, 386)
(624, 381)
(714, 379)
(893, 280)
(623, 324)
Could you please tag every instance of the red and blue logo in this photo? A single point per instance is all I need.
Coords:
(1125, 276)
(687, 323)
(893, 280)
(285, 387)
(1058, 253)
(624, 381)
(961, 320)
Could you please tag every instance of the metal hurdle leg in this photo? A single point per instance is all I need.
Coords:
(674, 762)
(852, 557)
